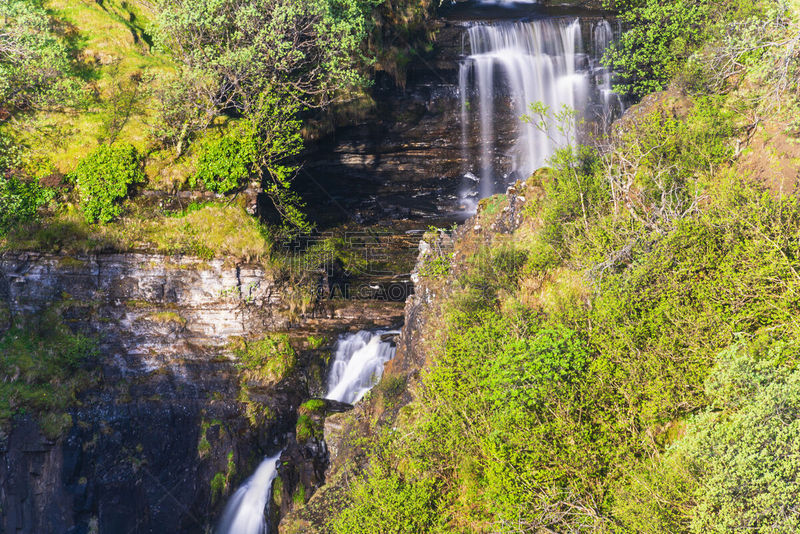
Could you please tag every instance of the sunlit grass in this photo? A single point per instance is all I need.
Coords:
(113, 54)
(213, 230)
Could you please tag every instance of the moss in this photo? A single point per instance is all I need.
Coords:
(43, 367)
(217, 486)
(306, 429)
(203, 446)
(54, 425)
(167, 317)
(299, 496)
(277, 491)
(269, 359)
(68, 262)
(312, 406)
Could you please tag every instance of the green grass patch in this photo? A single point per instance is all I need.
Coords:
(208, 231)
(269, 359)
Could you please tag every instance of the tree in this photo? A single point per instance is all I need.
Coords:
(35, 70)
(661, 37)
(239, 49)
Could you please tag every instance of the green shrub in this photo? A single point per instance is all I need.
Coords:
(737, 467)
(226, 163)
(435, 268)
(105, 178)
(270, 358)
(389, 503)
(661, 37)
(20, 201)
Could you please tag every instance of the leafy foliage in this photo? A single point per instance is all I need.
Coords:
(35, 70)
(105, 178)
(565, 361)
(243, 49)
(661, 37)
(226, 163)
(736, 469)
(20, 201)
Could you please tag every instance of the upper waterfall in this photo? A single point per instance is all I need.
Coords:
(511, 65)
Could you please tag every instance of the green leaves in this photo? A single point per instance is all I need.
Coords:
(662, 35)
(35, 69)
(226, 163)
(310, 48)
(737, 468)
(20, 201)
(104, 178)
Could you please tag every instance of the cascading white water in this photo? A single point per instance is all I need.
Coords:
(602, 37)
(522, 63)
(244, 513)
(358, 365)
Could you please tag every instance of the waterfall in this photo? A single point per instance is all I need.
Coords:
(244, 513)
(358, 364)
(602, 36)
(513, 64)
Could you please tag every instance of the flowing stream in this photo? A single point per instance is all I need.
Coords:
(245, 511)
(358, 364)
(511, 65)
(357, 367)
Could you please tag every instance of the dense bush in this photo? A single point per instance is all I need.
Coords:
(661, 37)
(20, 201)
(105, 178)
(736, 468)
(565, 362)
(226, 163)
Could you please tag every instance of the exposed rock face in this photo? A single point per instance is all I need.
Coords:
(166, 416)
(406, 157)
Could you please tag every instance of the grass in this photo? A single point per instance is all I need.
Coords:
(114, 54)
(213, 230)
(269, 359)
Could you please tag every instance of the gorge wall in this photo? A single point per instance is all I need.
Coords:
(169, 411)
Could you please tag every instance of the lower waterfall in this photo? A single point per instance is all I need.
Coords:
(244, 513)
(358, 364)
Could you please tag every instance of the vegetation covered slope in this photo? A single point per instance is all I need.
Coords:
(614, 345)
(123, 112)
